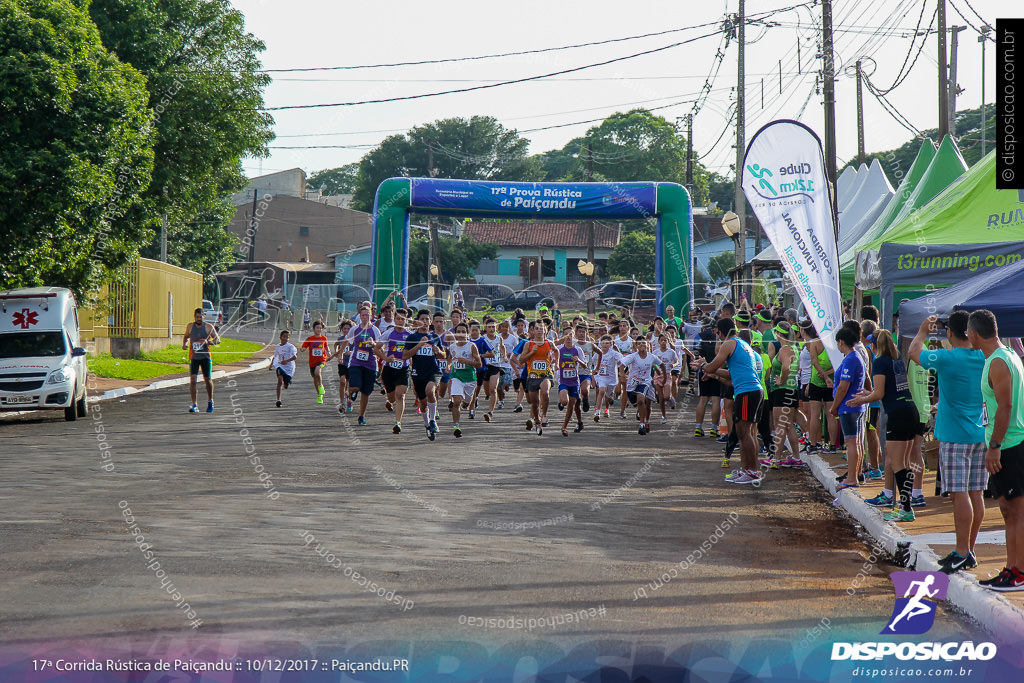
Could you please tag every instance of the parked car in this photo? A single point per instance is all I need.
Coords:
(428, 302)
(211, 314)
(42, 361)
(526, 300)
(627, 293)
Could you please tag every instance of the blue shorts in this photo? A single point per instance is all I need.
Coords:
(851, 424)
(586, 378)
(361, 378)
(445, 378)
(573, 389)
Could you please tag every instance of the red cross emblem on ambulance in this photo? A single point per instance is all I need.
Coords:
(25, 318)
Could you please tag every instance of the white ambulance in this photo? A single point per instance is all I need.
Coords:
(42, 362)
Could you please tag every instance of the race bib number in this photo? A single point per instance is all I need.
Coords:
(603, 371)
(459, 365)
(539, 366)
(425, 350)
(397, 364)
(198, 346)
(984, 414)
(569, 373)
(317, 351)
(362, 355)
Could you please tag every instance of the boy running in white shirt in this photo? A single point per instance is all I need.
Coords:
(607, 376)
(639, 366)
(283, 363)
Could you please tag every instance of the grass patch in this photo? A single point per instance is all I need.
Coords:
(166, 361)
(228, 351)
(105, 365)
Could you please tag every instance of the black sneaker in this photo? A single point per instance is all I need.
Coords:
(953, 562)
(430, 433)
(278, 404)
(518, 408)
(1014, 582)
(998, 578)
(579, 428)
(586, 405)
(561, 406)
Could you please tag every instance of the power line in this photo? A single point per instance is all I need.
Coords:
(527, 52)
(498, 84)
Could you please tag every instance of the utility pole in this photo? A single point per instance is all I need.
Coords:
(689, 151)
(943, 74)
(163, 239)
(860, 118)
(954, 89)
(252, 228)
(983, 38)
(829, 83)
(591, 237)
(740, 200)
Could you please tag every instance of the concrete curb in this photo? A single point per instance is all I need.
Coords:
(989, 609)
(177, 382)
(161, 384)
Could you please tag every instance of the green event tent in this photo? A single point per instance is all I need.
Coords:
(968, 228)
(932, 171)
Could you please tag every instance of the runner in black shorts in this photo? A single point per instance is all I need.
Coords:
(708, 388)
(342, 352)
(422, 348)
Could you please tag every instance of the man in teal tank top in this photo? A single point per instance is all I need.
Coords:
(1002, 388)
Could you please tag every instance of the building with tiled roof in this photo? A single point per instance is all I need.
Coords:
(540, 251)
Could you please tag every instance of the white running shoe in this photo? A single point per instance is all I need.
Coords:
(747, 477)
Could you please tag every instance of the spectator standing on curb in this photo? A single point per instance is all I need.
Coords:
(1002, 387)
(959, 431)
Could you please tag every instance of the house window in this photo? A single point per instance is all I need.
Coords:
(303, 231)
(549, 268)
(487, 267)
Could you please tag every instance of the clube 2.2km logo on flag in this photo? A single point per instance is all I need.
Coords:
(913, 613)
(784, 181)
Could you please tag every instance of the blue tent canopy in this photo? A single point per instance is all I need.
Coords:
(998, 290)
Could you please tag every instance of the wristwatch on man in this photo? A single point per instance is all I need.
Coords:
(997, 445)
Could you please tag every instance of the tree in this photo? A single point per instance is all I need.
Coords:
(718, 266)
(206, 92)
(632, 146)
(897, 162)
(75, 149)
(459, 258)
(341, 180)
(633, 257)
(477, 148)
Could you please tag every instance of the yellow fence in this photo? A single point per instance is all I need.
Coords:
(151, 300)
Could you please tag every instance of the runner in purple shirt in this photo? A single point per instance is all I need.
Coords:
(394, 374)
(362, 364)
(570, 361)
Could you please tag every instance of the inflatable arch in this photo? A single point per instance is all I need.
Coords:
(669, 203)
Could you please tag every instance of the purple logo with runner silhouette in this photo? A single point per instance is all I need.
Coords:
(917, 597)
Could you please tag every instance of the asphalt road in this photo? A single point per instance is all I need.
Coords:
(499, 524)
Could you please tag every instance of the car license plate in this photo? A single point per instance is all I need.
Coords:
(14, 400)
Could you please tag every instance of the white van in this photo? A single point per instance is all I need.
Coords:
(42, 362)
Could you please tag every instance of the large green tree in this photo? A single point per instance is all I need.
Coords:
(633, 257)
(341, 180)
(75, 149)
(628, 146)
(459, 258)
(477, 148)
(206, 93)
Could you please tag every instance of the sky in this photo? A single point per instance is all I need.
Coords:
(317, 34)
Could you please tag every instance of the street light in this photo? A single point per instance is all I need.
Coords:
(586, 269)
(731, 227)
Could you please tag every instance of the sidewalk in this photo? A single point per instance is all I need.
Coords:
(105, 388)
(930, 538)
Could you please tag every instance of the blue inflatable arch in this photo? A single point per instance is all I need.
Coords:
(669, 203)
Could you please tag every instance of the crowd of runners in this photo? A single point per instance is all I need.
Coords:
(759, 380)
